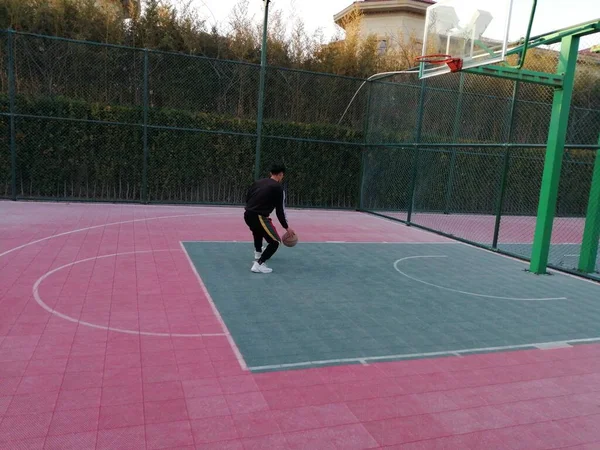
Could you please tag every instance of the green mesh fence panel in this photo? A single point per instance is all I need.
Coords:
(573, 191)
(320, 174)
(470, 126)
(80, 75)
(195, 92)
(78, 160)
(533, 109)
(5, 162)
(439, 110)
(387, 175)
(519, 209)
(336, 104)
(196, 167)
(457, 190)
(393, 112)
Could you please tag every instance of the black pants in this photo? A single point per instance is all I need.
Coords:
(262, 228)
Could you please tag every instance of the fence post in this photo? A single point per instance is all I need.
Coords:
(500, 202)
(145, 136)
(554, 154)
(505, 166)
(591, 233)
(261, 92)
(364, 148)
(11, 100)
(455, 129)
(415, 162)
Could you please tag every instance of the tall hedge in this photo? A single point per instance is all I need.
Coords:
(65, 152)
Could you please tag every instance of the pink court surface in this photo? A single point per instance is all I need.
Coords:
(109, 340)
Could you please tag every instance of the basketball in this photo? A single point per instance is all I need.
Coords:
(289, 240)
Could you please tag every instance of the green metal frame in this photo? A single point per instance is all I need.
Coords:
(546, 79)
(557, 134)
(591, 233)
(563, 82)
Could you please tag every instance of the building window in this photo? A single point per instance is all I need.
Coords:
(382, 46)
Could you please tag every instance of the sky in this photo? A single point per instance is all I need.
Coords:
(318, 14)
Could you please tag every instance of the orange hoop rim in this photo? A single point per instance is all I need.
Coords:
(455, 64)
(435, 58)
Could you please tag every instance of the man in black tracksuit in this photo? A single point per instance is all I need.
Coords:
(262, 198)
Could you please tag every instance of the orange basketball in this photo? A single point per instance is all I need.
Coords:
(289, 240)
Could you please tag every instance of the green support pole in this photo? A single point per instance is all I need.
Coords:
(554, 155)
(591, 233)
(11, 100)
(455, 129)
(361, 180)
(261, 92)
(145, 138)
(415, 162)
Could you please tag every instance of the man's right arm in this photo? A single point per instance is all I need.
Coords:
(280, 208)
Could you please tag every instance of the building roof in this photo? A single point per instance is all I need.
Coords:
(382, 6)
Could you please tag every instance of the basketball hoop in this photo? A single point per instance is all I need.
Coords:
(455, 64)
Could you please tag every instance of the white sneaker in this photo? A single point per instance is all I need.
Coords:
(260, 268)
(257, 255)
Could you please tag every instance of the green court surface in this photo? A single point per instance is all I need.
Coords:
(332, 303)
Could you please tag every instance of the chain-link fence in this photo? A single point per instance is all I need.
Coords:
(460, 154)
(109, 123)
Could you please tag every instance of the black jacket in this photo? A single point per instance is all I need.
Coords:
(264, 196)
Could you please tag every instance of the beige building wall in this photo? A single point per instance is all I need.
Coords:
(393, 27)
(393, 22)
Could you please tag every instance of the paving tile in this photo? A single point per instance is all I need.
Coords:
(165, 411)
(72, 441)
(168, 435)
(117, 416)
(213, 429)
(129, 437)
(204, 407)
(343, 437)
(74, 421)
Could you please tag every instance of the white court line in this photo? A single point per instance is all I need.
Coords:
(547, 345)
(465, 292)
(553, 345)
(38, 299)
(234, 347)
(329, 242)
(556, 244)
(110, 224)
